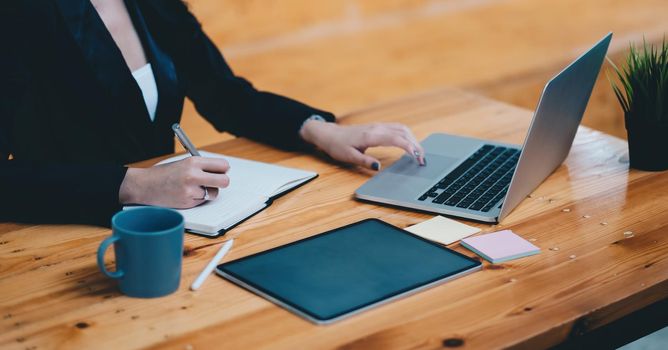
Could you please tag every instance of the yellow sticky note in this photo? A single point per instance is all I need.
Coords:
(442, 230)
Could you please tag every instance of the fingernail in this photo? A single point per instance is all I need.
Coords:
(375, 166)
(424, 161)
(419, 159)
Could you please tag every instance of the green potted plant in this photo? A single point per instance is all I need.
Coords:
(643, 93)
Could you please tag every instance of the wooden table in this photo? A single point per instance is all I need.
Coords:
(588, 273)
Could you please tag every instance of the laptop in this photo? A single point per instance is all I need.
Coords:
(485, 180)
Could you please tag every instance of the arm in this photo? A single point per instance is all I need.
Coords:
(59, 193)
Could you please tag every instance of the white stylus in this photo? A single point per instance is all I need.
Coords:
(212, 265)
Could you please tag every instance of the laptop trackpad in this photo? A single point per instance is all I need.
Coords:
(436, 165)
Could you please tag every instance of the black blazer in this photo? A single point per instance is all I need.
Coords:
(71, 114)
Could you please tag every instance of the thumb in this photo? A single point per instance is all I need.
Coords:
(364, 160)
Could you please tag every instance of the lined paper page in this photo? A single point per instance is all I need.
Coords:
(226, 210)
(257, 177)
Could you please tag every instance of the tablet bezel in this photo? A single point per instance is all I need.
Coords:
(477, 265)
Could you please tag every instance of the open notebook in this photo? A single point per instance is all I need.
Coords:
(252, 187)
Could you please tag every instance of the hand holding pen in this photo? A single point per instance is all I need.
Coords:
(179, 184)
(208, 193)
(176, 184)
(182, 184)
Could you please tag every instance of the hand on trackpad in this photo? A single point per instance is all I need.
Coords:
(436, 165)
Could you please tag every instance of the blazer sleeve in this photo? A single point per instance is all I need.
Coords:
(36, 192)
(230, 102)
(59, 193)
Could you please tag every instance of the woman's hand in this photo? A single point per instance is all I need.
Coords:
(175, 185)
(348, 143)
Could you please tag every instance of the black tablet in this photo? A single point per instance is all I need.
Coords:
(339, 273)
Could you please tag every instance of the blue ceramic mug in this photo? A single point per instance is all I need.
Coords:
(148, 242)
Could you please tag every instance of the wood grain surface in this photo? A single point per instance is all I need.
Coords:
(587, 274)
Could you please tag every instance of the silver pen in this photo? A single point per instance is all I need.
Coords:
(185, 141)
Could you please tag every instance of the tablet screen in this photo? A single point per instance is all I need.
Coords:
(337, 273)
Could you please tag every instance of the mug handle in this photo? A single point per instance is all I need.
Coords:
(100, 257)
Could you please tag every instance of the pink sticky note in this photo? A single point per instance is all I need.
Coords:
(500, 246)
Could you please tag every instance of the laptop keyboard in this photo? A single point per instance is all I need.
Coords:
(479, 182)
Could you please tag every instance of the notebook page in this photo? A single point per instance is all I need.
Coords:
(226, 210)
(263, 178)
(257, 177)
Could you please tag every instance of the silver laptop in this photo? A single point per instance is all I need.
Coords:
(485, 180)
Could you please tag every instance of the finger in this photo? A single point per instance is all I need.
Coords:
(213, 192)
(213, 180)
(212, 165)
(387, 138)
(402, 142)
(361, 159)
(416, 144)
(198, 193)
(193, 196)
(418, 150)
(397, 126)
